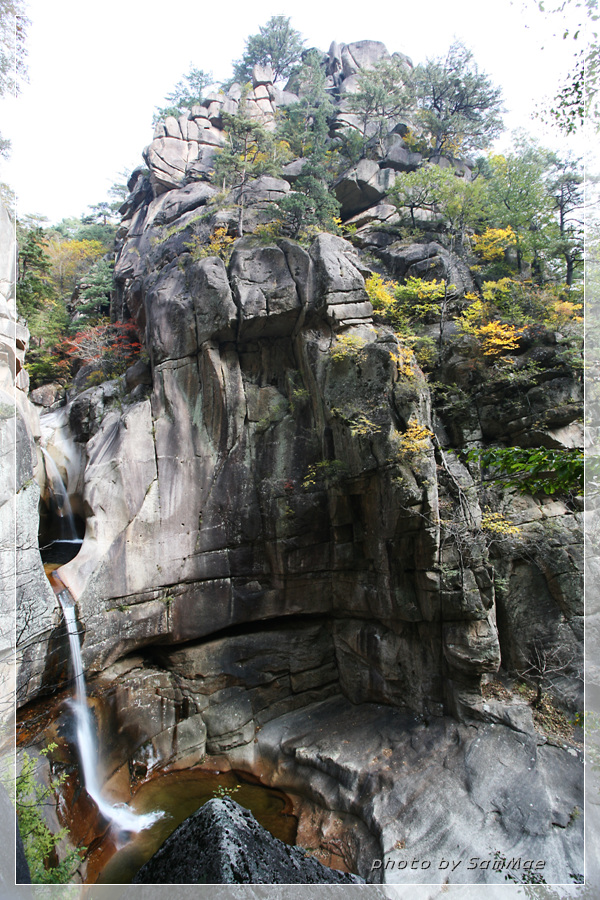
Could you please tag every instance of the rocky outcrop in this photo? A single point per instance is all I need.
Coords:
(363, 186)
(397, 775)
(224, 844)
(285, 563)
(271, 385)
(538, 558)
(183, 148)
(25, 587)
(261, 468)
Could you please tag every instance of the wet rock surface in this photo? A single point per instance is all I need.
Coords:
(396, 773)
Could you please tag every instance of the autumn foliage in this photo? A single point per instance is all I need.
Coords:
(113, 346)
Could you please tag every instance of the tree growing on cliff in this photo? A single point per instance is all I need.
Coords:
(417, 190)
(459, 201)
(250, 151)
(188, 92)
(458, 108)
(567, 191)
(544, 666)
(518, 197)
(277, 44)
(38, 302)
(383, 95)
(305, 124)
(305, 128)
(33, 277)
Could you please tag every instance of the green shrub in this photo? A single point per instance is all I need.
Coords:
(533, 471)
(39, 842)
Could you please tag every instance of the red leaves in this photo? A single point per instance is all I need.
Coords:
(113, 345)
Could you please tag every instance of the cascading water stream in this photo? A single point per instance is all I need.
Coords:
(120, 814)
(61, 500)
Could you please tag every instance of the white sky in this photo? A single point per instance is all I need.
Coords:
(97, 71)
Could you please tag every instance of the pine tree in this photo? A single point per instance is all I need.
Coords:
(305, 127)
(250, 151)
(383, 97)
(458, 108)
(188, 92)
(277, 45)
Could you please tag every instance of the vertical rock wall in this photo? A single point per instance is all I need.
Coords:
(25, 587)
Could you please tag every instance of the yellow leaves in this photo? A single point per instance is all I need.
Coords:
(493, 243)
(383, 295)
(415, 439)
(347, 346)
(70, 258)
(522, 302)
(268, 232)
(419, 298)
(499, 163)
(283, 147)
(498, 338)
(419, 289)
(473, 316)
(496, 291)
(362, 426)
(260, 158)
(416, 143)
(380, 292)
(453, 145)
(563, 312)
(497, 524)
(405, 362)
(220, 244)
(326, 472)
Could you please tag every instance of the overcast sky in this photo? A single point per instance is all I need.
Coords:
(97, 71)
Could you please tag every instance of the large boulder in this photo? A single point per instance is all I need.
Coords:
(437, 791)
(265, 291)
(172, 154)
(400, 157)
(224, 844)
(429, 261)
(339, 284)
(362, 186)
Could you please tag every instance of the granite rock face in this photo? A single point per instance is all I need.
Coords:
(436, 790)
(261, 467)
(265, 476)
(282, 531)
(25, 588)
(224, 844)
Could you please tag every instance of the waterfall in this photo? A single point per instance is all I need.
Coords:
(119, 814)
(61, 500)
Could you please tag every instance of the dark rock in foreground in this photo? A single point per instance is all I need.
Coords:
(222, 843)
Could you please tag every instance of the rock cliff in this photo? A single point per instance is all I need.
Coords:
(278, 526)
(21, 571)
